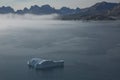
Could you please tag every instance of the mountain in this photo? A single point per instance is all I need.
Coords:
(66, 11)
(99, 8)
(6, 10)
(47, 9)
(115, 11)
(37, 10)
(24, 11)
(99, 11)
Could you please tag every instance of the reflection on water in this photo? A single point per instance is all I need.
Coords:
(90, 49)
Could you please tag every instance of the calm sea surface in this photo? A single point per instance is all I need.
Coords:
(91, 50)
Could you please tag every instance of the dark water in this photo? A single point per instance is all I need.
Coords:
(91, 50)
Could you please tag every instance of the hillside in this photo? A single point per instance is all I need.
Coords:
(99, 11)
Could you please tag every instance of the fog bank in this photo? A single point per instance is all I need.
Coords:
(27, 20)
(28, 16)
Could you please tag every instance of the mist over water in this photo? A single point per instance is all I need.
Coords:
(90, 49)
(9, 21)
(28, 16)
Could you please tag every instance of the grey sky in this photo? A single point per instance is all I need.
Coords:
(20, 4)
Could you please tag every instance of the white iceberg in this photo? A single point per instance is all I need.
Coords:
(38, 63)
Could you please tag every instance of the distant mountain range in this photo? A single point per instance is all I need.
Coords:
(99, 11)
(45, 9)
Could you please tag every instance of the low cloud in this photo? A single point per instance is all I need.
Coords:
(27, 20)
(28, 17)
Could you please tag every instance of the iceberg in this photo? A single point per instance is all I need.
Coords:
(39, 63)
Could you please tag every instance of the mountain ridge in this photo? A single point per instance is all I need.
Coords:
(37, 10)
(99, 11)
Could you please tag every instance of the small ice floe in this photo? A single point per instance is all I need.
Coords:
(39, 63)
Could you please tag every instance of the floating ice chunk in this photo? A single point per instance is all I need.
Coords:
(39, 63)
